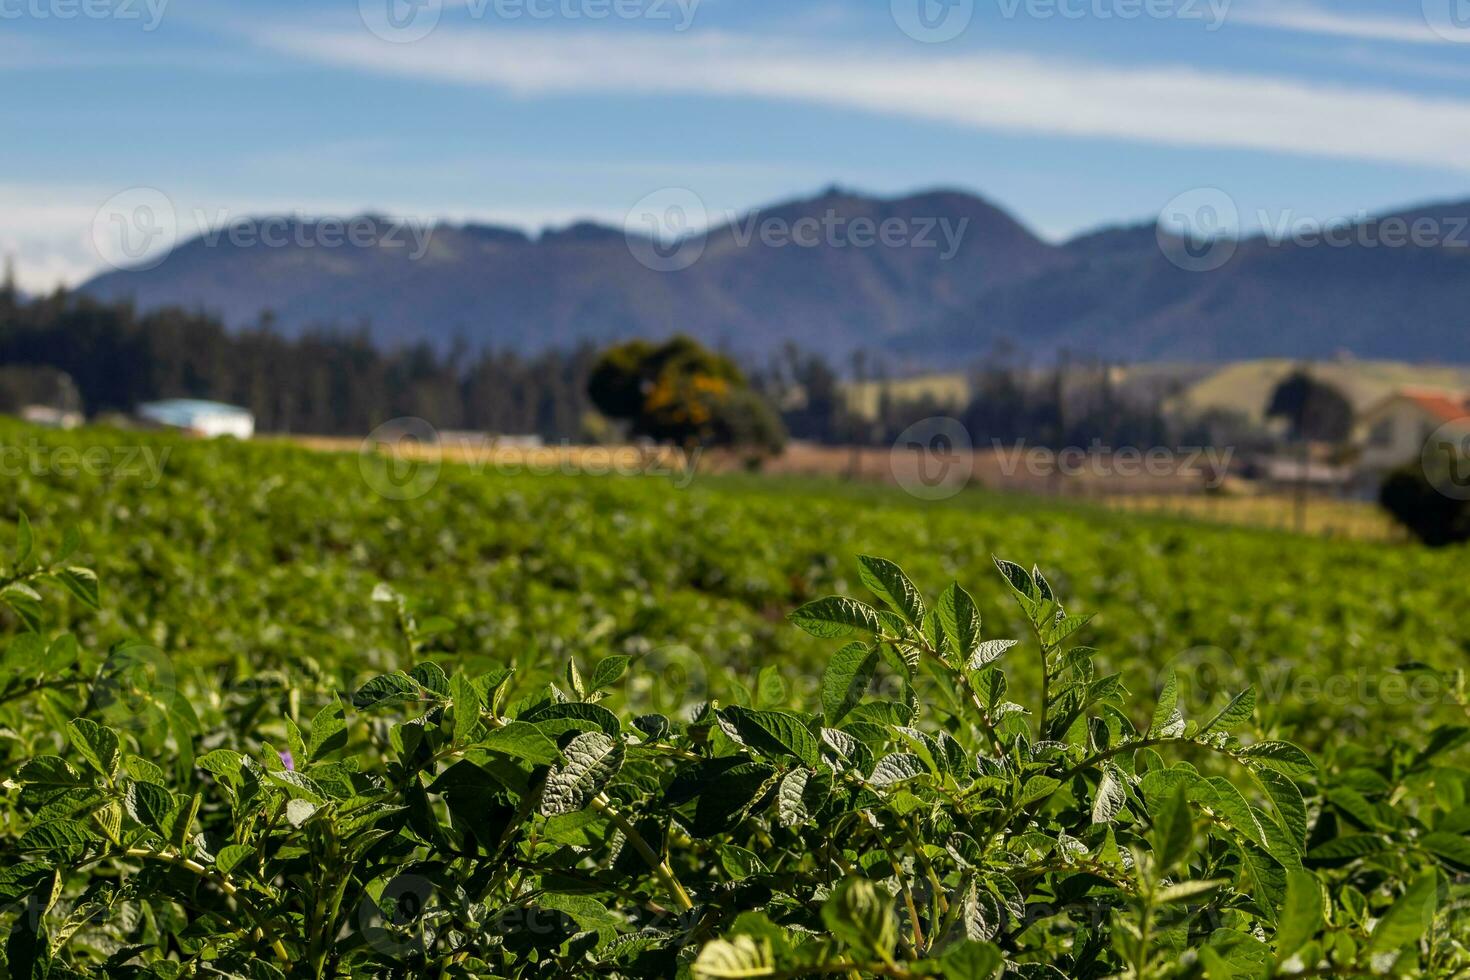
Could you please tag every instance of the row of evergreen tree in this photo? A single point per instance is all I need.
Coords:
(327, 383)
(335, 382)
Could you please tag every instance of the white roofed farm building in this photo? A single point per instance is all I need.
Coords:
(201, 418)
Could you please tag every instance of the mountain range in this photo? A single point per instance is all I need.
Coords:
(957, 276)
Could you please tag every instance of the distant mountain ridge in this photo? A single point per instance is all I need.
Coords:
(756, 285)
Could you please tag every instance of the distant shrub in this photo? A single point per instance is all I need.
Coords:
(680, 392)
(1413, 496)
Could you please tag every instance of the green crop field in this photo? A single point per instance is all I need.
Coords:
(244, 765)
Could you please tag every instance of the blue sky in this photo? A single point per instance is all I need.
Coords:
(1070, 113)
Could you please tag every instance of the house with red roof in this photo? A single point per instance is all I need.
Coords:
(1395, 430)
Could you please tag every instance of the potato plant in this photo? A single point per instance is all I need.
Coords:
(916, 822)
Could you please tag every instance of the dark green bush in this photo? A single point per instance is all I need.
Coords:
(917, 822)
(1414, 495)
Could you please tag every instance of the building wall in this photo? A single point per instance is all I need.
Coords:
(1395, 434)
(212, 426)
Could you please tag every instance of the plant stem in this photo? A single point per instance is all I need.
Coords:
(660, 867)
(219, 881)
(982, 716)
(1045, 688)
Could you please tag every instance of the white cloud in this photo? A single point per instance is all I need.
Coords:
(1311, 19)
(50, 241)
(1161, 105)
(48, 229)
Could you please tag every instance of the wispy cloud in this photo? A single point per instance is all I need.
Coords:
(1161, 105)
(1405, 64)
(1307, 18)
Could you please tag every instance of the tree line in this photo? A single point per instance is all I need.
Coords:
(330, 382)
(339, 382)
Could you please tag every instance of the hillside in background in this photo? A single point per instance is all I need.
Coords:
(1246, 387)
(1187, 390)
(1112, 293)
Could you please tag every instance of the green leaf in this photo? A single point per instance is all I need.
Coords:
(574, 679)
(980, 914)
(49, 770)
(846, 679)
(1228, 803)
(1349, 847)
(1284, 757)
(897, 768)
(558, 719)
(1036, 788)
(1112, 793)
(1301, 914)
(298, 811)
(742, 956)
(431, 677)
(860, 914)
(592, 760)
(1408, 919)
(969, 960)
(1453, 848)
(28, 947)
(1185, 890)
(959, 618)
(26, 603)
(988, 653)
(607, 671)
(56, 835)
(888, 582)
(466, 708)
(728, 794)
(522, 741)
(836, 616)
(1289, 804)
(328, 730)
(1061, 630)
(222, 762)
(229, 857)
(739, 862)
(181, 821)
(82, 583)
(1441, 740)
(385, 690)
(800, 795)
(95, 743)
(774, 733)
(1173, 832)
(1167, 721)
(770, 687)
(25, 541)
(1234, 714)
(1019, 579)
(149, 804)
(297, 785)
(655, 726)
